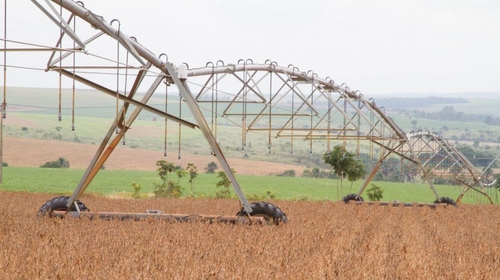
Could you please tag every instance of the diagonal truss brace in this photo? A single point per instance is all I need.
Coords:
(61, 22)
(166, 68)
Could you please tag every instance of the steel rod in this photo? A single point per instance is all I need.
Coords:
(161, 216)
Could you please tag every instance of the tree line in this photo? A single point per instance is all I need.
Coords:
(448, 113)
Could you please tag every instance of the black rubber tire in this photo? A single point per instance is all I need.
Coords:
(271, 213)
(350, 197)
(446, 200)
(59, 204)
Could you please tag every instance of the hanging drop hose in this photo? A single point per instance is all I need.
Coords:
(117, 74)
(73, 84)
(270, 111)
(166, 120)
(124, 111)
(166, 109)
(4, 103)
(180, 127)
(330, 106)
(359, 123)
(243, 107)
(217, 99)
(312, 103)
(180, 117)
(293, 105)
(60, 66)
(212, 113)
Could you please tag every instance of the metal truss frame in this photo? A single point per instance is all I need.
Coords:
(281, 102)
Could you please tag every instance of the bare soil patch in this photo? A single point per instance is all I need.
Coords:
(33, 153)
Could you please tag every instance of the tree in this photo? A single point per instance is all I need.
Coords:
(444, 129)
(288, 173)
(60, 163)
(137, 188)
(414, 124)
(357, 172)
(164, 169)
(193, 172)
(344, 165)
(223, 185)
(211, 167)
(180, 173)
(306, 173)
(375, 193)
(167, 188)
(476, 144)
(315, 172)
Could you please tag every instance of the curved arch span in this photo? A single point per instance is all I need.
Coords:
(280, 102)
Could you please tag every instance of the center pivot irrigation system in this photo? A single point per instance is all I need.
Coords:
(265, 98)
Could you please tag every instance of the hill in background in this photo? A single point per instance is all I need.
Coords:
(32, 115)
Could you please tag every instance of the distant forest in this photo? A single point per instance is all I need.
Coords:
(447, 113)
(450, 114)
(400, 103)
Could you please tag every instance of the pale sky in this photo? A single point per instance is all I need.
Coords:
(376, 47)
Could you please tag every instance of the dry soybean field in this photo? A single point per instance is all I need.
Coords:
(323, 240)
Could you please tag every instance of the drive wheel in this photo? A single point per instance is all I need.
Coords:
(59, 204)
(352, 197)
(446, 200)
(270, 212)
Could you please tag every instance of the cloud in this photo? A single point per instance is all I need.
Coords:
(375, 46)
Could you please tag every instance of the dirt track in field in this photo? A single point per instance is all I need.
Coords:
(323, 240)
(33, 153)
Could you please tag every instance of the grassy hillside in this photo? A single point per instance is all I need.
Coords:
(33, 113)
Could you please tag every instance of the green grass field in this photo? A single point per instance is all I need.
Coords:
(119, 183)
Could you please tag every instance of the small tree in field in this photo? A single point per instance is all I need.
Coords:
(193, 172)
(167, 188)
(137, 188)
(60, 163)
(344, 165)
(357, 172)
(375, 193)
(211, 167)
(180, 173)
(223, 185)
